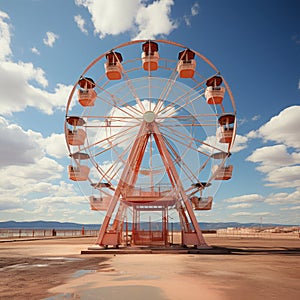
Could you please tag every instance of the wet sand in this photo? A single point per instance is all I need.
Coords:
(54, 269)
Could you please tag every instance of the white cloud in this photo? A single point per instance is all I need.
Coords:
(55, 145)
(117, 16)
(18, 147)
(283, 128)
(255, 118)
(154, 20)
(284, 177)
(23, 85)
(18, 183)
(259, 214)
(240, 205)
(187, 20)
(12, 204)
(111, 17)
(245, 198)
(43, 169)
(5, 50)
(195, 9)
(19, 89)
(279, 162)
(291, 208)
(42, 200)
(50, 38)
(273, 157)
(35, 51)
(283, 198)
(240, 143)
(80, 23)
(22, 153)
(56, 201)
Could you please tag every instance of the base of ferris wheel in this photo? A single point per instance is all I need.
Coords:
(153, 241)
(119, 235)
(172, 249)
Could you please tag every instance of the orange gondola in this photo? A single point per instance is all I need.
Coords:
(214, 93)
(225, 131)
(150, 56)
(113, 67)
(86, 93)
(186, 64)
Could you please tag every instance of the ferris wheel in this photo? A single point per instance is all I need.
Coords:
(149, 128)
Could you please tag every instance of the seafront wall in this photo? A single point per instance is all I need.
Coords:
(173, 237)
(26, 233)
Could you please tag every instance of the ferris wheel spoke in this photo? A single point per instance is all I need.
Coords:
(119, 122)
(198, 88)
(190, 92)
(194, 120)
(151, 158)
(113, 136)
(180, 107)
(117, 164)
(183, 117)
(122, 159)
(115, 144)
(179, 159)
(130, 111)
(182, 140)
(191, 174)
(185, 136)
(190, 125)
(118, 102)
(134, 93)
(166, 91)
(108, 120)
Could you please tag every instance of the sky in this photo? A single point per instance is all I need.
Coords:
(46, 45)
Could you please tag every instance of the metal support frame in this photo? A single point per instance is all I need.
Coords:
(128, 179)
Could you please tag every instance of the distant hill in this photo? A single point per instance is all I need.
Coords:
(46, 225)
(76, 226)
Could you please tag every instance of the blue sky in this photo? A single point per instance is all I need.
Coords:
(45, 46)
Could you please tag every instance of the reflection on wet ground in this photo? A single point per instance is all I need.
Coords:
(38, 262)
(139, 277)
(132, 292)
(80, 273)
(24, 277)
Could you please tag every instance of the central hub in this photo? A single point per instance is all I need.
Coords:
(149, 116)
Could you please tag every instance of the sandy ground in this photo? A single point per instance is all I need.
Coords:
(54, 269)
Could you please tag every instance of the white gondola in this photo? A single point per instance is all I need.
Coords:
(99, 203)
(76, 137)
(202, 203)
(78, 171)
(222, 172)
